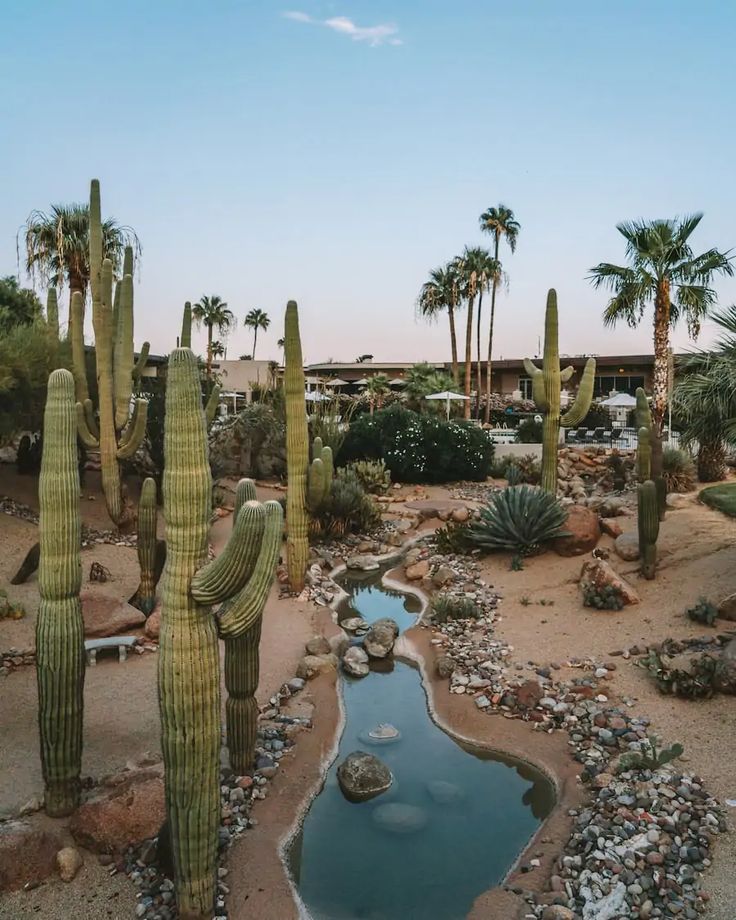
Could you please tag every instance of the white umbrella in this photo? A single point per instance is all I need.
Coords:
(336, 383)
(447, 395)
(620, 399)
(360, 383)
(397, 382)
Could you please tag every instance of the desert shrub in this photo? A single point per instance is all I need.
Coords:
(373, 475)
(650, 756)
(606, 597)
(520, 519)
(498, 467)
(446, 607)
(678, 470)
(527, 466)
(513, 475)
(529, 432)
(453, 538)
(348, 509)
(10, 610)
(703, 612)
(419, 448)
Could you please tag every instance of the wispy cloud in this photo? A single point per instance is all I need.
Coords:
(382, 34)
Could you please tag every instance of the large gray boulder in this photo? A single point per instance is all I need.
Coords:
(363, 776)
(380, 638)
(627, 546)
(355, 662)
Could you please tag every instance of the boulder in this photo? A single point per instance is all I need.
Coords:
(611, 527)
(443, 576)
(627, 546)
(380, 638)
(355, 625)
(318, 645)
(529, 694)
(583, 531)
(363, 776)
(727, 608)
(107, 616)
(153, 623)
(460, 515)
(444, 793)
(399, 818)
(417, 570)
(414, 555)
(69, 861)
(312, 665)
(355, 662)
(557, 912)
(611, 506)
(129, 810)
(598, 572)
(362, 563)
(445, 666)
(27, 854)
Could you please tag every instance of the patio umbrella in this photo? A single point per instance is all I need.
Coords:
(361, 383)
(448, 396)
(397, 382)
(622, 400)
(336, 383)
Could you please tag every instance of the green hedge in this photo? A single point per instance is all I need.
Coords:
(419, 448)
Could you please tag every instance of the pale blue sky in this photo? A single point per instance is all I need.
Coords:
(337, 156)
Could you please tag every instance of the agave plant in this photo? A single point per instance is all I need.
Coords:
(520, 519)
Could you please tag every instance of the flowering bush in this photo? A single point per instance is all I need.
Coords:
(419, 448)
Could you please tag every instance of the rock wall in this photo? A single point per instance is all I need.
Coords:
(584, 472)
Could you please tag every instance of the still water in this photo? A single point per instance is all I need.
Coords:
(452, 823)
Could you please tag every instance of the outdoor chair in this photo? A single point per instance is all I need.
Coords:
(606, 436)
(615, 435)
(581, 435)
(598, 434)
(572, 436)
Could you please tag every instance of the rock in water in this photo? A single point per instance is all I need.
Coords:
(354, 625)
(355, 662)
(399, 818)
(363, 776)
(69, 860)
(380, 638)
(362, 563)
(444, 793)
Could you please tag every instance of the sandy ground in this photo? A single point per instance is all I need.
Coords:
(121, 708)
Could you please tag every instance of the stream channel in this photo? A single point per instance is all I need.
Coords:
(452, 823)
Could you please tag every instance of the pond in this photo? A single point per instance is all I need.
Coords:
(452, 823)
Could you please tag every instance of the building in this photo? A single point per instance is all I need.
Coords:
(619, 373)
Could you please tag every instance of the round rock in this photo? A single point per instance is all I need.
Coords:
(363, 776)
(399, 818)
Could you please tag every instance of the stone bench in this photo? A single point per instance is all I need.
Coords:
(121, 643)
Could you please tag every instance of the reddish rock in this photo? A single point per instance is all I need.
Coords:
(529, 694)
(107, 616)
(153, 623)
(418, 570)
(599, 573)
(121, 815)
(611, 527)
(584, 532)
(27, 854)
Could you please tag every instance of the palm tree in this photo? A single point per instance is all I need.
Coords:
(57, 246)
(442, 292)
(475, 267)
(255, 320)
(218, 350)
(377, 388)
(500, 222)
(281, 344)
(704, 399)
(213, 313)
(422, 379)
(661, 262)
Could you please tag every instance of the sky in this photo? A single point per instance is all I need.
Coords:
(336, 152)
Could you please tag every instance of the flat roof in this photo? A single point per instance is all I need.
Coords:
(498, 363)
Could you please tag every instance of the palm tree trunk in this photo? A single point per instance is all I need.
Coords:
(209, 351)
(468, 357)
(477, 351)
(661, 346)
(711, 461)
(453, 344)
(255, 339)
(487, 416)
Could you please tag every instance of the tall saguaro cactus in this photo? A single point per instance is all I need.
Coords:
(649, 452)
(297, 452)
(52, 312)
(188, 677)
(120, 431)
(60, 629)
(648, 524)
(546, 393)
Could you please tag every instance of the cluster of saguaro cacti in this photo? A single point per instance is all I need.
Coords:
(648, 520)
(60, 629)
(546, 393)
(297, 452)
(319, 476)
(189, 680)
(649, 451)
(117, 432)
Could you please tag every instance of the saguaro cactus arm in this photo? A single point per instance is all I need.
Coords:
(539, 394)
(86, 436)
(147, 519)
(76, 334)
(60, 629)
(581, 405)
(135, 432)
(140, 364)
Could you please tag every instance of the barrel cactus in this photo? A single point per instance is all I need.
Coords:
(119, 432)
(189, 679)
(297, 452)
(60, 629)
(648, 521)
(546, 393)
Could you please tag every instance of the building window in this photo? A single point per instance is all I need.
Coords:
(525, 385)
(621, 383)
